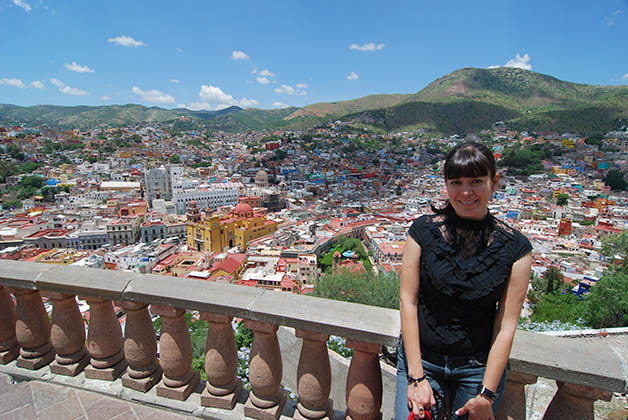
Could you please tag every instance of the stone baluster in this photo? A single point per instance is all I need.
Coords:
(67, 335)
(313, 377)
(364, 381)
(513, 405)
(574, 402)
(140, 348)
(104, 341)
(9, 349)
(267, 398)
(221, 364)
(175, 354)
(32, 329)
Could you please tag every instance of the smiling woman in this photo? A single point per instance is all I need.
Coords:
(463, 280)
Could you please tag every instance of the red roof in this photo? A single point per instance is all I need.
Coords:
(230, 264)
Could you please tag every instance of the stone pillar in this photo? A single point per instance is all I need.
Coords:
(175, 355)
(140, 348)
(9, 349)
(364, 382)
(104, 342)
(32, 329)
(313, 377)
(513, 405)
(574, 402)
(267, 398)
(221, 364)
(67, 335)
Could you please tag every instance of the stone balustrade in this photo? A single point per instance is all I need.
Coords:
(584, 372)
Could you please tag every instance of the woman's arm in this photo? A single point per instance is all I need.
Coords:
(504, 329)
(419, 395)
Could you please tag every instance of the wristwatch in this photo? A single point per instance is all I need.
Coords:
(484, 391)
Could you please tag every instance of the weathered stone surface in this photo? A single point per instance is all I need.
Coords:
(86, 282)
(226, 402)
(271, 413)
(364, 382)
(551, 357)
(180, 393)
(22, 274)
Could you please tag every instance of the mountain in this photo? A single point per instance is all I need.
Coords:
(93, 116)
(338, 109)
(470, 99)
(467, 100)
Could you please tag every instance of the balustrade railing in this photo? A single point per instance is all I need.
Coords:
(583, 372)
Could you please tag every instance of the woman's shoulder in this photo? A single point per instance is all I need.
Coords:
(422, 227)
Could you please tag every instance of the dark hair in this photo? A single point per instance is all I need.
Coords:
(471, 160)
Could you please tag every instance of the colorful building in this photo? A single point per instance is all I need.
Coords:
(235, 229)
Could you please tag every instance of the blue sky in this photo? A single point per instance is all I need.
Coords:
(211, 54)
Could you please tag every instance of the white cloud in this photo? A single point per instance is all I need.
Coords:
(246, 103)
(262, 80)
(175, 81)
(289, 90)
(73, 91)
(198, 106)
(370, 46)
(12, 82)
(126, 41)
(23, 4)
(253, 71)
(280, 105)
(303, 85)
(610, 21)
(352, 76)
(285, 89)
(105, 98)
(519, 62)
(56, 82)
(37, 84)
(180, 50)
(215, 95)
(239, 55)
(624, 77)
(78, 68)
(266, 73)
(153, 96)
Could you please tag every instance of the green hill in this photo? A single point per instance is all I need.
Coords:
(94, 116)
(464, 101)
(526, 100)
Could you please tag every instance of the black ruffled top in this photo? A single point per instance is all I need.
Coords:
(464, 268)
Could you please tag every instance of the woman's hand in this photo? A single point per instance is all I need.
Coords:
(478, 407)
(420, 398)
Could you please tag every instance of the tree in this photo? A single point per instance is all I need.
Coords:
(550, 283)
(607, 303)
(174, 159)
(616, 244)
(562, 199)
(615, 179)
(556, 306)
(367, 288)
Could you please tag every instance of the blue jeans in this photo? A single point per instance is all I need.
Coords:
(459, 378)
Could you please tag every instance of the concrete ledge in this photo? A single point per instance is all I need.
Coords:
(579, 362)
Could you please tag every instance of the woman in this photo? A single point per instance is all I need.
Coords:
(463, 280)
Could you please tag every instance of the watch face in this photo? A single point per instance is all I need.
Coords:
(488, 393)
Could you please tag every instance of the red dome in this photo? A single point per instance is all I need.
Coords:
(242, 208)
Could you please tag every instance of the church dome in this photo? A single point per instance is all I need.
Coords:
(242, 209)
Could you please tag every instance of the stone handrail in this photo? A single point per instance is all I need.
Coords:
(584, 371)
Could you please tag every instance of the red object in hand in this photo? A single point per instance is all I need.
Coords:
(428, 416)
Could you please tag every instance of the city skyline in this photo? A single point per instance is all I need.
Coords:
(209, 56)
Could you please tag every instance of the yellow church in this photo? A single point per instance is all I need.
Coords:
(235, 229)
